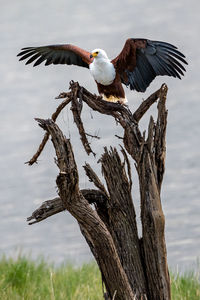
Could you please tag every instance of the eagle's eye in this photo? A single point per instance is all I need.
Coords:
(97, 52)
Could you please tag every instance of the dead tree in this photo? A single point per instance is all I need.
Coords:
(131, 267)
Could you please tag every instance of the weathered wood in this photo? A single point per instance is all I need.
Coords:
(101, 207)
(54, 206)
(144, 106)
(46, 136)
(94, 229)
(95, 179)
(150, 171)
(47, 209)
(131, 267)
(118, 111)
(122, 219)
(76, 109)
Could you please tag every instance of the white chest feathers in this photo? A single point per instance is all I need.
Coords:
(103, 71)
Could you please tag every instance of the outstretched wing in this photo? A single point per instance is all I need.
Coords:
(56, 54)
(141, 60)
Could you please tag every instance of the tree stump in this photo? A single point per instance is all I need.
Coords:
(131, 267)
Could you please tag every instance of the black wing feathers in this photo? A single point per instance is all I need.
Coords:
(55, 54)
(157, 58)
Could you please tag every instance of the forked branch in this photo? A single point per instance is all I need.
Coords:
(131, 268)
(46, 136)
(88, 219)
(79, 94)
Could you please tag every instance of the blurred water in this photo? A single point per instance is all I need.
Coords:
(27, 93)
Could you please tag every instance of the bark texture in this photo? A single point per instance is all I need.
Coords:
(131, 267)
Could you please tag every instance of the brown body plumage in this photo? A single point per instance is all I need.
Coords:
(113, 91)
(139, 62)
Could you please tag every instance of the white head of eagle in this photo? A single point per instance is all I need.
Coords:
(101, 68)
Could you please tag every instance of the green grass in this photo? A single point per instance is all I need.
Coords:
(186, 286)
(28, 280)
(24, 279)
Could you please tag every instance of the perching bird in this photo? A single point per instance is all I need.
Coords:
(139, 62)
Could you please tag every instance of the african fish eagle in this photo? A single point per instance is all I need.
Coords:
(139, 62)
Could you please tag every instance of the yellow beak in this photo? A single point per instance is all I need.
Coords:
(94, 54)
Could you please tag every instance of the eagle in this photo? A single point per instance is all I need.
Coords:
(136, 66)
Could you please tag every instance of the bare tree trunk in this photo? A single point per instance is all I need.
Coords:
(131, 267)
